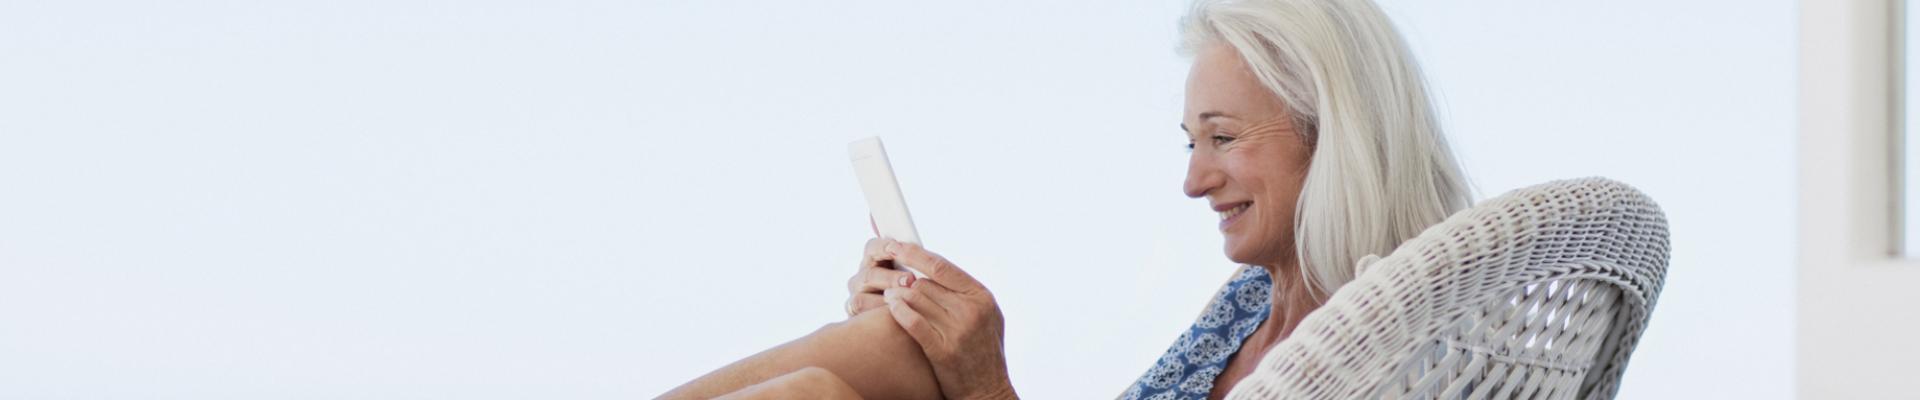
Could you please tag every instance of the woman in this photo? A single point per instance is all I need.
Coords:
(1311, 134)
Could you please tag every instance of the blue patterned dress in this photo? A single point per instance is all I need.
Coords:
(1189, 367)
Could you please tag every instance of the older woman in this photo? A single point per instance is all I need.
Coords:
(1311, 134)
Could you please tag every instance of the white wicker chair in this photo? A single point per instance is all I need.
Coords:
(1540, 293)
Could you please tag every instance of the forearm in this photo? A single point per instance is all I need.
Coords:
(869, 352)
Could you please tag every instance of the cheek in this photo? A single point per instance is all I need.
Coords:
(1274, 184)
(1274, 173)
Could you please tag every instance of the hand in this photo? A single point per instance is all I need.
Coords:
(956, 322)
(876, 274)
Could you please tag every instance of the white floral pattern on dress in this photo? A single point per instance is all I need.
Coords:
(1197, 357)
(1200, 382)
(1253, 297)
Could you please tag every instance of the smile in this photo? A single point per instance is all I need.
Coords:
(1230, 215)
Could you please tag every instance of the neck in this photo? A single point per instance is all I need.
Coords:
(1291, 301)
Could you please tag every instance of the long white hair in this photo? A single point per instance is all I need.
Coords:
(1381, 171)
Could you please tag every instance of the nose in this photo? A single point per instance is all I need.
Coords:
(1202, 175)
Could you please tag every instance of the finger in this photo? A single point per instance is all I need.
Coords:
(863, 302)
(874, 258)
(856, 284)
(876, 280)
(923, 301)
(915, 324)
(936, 268)
(876, 254)
(873, 280)
(941, 297)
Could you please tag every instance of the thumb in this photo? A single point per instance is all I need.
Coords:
(916, 325)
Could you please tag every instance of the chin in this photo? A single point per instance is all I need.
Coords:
(1237, 251)
(1245, 251)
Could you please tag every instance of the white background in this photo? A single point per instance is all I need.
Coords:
(408, 199)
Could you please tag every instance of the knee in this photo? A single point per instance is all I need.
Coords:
(874, 320)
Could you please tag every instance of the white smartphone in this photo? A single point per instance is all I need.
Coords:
(884, 200)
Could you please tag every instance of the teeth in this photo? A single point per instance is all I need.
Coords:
(1224, 215)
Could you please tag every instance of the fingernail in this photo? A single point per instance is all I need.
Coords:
(905, 281)
(889, 296)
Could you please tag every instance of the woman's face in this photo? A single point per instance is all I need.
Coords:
(1248, 161)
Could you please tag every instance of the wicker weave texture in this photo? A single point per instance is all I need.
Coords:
(1540, 293)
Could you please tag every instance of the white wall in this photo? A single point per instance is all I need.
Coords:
(577, 199)
(1854, 299)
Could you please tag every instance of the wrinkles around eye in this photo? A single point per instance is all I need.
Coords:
(1270, 127)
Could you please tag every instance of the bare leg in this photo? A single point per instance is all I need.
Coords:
(807, 383)
(869, 352)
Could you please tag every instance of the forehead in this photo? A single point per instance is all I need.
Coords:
(1220, 81)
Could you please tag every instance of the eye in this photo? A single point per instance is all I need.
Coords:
(1218, 140)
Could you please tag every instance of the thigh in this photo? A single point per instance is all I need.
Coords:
(869, 352)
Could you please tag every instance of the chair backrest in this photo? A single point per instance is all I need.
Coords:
(1539, 293)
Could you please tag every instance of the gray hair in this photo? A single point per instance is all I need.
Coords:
(1381, 171)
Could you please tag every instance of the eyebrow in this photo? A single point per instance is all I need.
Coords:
(1205, 116)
